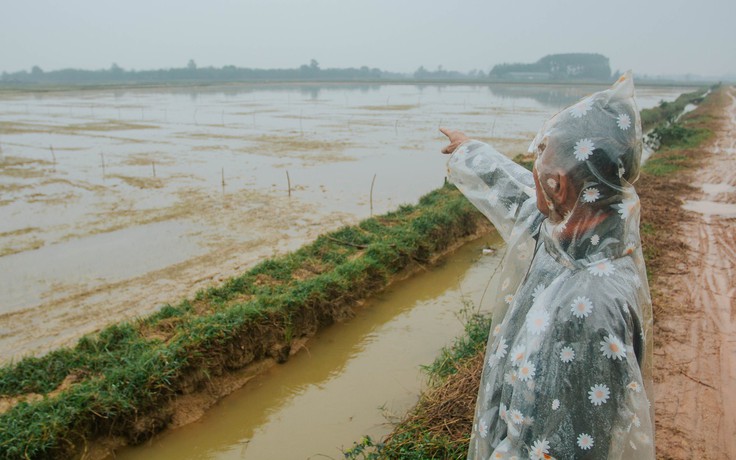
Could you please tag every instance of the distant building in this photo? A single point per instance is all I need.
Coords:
(557, 67)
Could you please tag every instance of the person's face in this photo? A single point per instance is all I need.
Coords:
(541, 200)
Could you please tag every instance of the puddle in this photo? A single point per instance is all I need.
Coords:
(711, 208)
(352, 375)
(687, 109)
(715, 189)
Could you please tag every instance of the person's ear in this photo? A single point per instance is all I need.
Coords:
(559, 186)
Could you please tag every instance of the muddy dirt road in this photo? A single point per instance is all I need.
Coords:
(695, 364)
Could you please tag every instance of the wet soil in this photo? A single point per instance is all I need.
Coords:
(695, 350)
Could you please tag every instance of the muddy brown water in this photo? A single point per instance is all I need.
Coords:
(351, 379)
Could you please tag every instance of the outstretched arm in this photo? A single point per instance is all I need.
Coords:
(501, 189)
(456, 138)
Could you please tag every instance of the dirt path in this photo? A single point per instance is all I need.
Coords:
(695, 362)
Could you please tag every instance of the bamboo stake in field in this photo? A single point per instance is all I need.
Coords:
(396, 127)
(53, 155)
(301, 128)
(371, 195)
(102, 158)
(153, 166)
(288, 182)
(222, 174)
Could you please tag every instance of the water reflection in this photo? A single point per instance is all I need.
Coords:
(309, 90)
(555, 96)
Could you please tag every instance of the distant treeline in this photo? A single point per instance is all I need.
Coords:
(192, 73)
(557, 67)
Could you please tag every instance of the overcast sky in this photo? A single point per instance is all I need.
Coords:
(648, 36)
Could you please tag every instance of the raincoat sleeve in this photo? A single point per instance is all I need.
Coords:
(501, 189)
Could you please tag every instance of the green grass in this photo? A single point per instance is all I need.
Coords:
(123, 376)
(668, 111)
(667, 164)
(415, 445)
(673, 135)
(475, 335)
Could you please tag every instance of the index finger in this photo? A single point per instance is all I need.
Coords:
(445, 131)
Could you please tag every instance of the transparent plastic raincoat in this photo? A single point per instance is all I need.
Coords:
(567, 369)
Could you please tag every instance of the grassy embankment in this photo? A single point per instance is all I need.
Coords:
(439, 425)
(119, 382)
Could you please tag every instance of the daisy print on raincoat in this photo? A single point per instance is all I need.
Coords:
(568, 363)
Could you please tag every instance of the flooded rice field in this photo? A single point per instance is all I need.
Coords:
(113, 202)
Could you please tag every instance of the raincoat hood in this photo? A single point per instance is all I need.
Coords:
(597, 145)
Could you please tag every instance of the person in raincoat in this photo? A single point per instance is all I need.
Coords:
(567, 370)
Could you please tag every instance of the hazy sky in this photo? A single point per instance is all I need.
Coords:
(648, 36)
